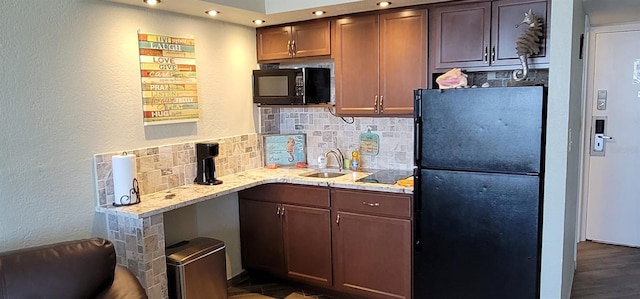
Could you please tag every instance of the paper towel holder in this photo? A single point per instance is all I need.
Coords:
(134, 193)
(126, 200)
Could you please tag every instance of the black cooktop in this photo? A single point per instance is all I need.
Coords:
(386, 176)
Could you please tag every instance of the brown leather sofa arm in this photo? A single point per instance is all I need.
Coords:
(125, 286)
(75, 269)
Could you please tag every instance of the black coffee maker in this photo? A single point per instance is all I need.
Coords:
(205, 154)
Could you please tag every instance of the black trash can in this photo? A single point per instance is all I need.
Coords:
(197, 269)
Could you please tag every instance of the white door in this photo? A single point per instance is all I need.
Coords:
(613, 192)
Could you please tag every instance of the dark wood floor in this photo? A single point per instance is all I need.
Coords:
(606, 271)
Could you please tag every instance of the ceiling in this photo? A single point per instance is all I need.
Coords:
(610, 12)
(601, 12)
(272, 11)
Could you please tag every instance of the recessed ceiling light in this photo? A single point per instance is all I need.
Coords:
(151, 2)
(212, 12)
(384, 3)
(258, 22)
(319, 12)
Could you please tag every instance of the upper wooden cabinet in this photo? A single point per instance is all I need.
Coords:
(506, 14)
(307, 39)
(483, 34)
(379, 61)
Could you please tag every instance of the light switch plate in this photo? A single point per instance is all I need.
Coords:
(601, 104)
(602, 94)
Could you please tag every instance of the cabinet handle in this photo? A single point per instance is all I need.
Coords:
(375, 104)
(493, 54)
(486, 55)
(293, 48)
(381, 104)
(289, 47)
(371, 204)
(338, 219)
(278, 212)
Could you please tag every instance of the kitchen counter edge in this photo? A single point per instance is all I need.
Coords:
(182, 196)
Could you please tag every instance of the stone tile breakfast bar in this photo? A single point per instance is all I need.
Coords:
(138, 230)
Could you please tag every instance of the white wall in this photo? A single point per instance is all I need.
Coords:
(562, 165)
(70, 82)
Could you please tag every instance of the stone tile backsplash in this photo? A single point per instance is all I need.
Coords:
(503, 78)
(164, 167)
(325, 131)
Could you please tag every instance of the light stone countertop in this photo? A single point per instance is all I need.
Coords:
(175, 198)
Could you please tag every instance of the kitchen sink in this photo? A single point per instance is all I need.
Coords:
(324, 173)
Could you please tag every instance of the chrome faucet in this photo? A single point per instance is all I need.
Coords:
(338, 155)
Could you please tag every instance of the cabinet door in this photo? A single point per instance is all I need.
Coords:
(261, 237)
(311, 39)
(461, 35)
(506, 15)
(372, 255)
(355, 51)
(403, 60)
(307, 243)
(273, 43)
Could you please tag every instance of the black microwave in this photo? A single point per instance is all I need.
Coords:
(301, 86)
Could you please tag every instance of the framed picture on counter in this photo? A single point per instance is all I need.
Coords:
(285, 149)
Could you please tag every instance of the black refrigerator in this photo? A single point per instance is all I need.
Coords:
(478, 192)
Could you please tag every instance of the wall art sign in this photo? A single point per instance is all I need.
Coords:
(168, 75)
(285, 149)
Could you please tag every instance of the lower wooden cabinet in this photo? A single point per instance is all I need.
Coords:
(287, 240)
(307, 243)
(372, 251)
(359, 244)
(261, 236)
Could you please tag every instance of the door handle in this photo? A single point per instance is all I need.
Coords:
(375, 104)
(599, 136)
(485, 57)
(598, 143)
(493, 54)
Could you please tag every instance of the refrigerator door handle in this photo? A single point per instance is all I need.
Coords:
(417, 128)
(417, 103)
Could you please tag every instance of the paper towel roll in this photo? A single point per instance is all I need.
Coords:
(124, 172)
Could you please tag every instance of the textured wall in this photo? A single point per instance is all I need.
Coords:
(70, 84)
